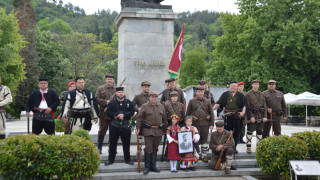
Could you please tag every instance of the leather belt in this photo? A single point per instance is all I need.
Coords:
(231, 110)
(154, 126)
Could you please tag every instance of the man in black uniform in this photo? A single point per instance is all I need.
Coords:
(234, 103)
(120, 110)
(43, 102)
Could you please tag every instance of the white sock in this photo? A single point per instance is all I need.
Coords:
(175, 165)
(172, 165)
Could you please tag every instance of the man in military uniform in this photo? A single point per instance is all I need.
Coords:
(219, 144)
(234, 106)
(172, 87)
(200, 109)
(5, 99)
(82, 104)
(71, 86)
(174, 107)
(276, 109)
(207, 93)
(243, 123)
(152, 118)
(43, 102)
(258, 113)
(143, 97)
(103, 96)
(120, 110)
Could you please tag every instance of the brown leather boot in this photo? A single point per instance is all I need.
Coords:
(204, 159)
(249, 150)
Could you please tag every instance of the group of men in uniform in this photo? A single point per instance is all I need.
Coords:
(262, 110)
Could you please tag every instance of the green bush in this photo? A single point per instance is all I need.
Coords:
(273, 154)
(45, 157)
(313, 141)
(82, 133)
(59, 125)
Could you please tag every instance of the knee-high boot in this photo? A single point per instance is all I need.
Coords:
(153, 163)
(147, 163)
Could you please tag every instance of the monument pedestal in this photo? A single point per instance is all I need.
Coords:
(145, 47)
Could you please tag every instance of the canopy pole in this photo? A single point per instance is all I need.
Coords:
(306, 115)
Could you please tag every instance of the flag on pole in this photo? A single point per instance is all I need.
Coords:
(174, 66)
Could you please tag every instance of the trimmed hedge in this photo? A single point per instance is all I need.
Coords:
(82, 133)
(45, 157)
(313, 141)
(273, 154)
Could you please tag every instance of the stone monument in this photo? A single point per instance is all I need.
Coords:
(145, 44)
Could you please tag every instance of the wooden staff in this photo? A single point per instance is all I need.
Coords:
(139, 153)
(218, 165)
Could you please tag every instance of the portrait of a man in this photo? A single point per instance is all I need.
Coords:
(185, 142)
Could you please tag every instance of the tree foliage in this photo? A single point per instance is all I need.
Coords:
(277, 39)
(11, 43)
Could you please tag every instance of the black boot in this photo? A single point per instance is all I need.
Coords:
(241, 141)
(153, 163)
(2, 136)
(100, 142)
(147, 163)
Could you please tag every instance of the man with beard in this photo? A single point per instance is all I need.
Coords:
(152, 118)
(234, 104)
(143, 97)
(103, 96)
(82, 104)
(120, 110)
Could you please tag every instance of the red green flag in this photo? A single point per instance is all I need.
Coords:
(174, 66)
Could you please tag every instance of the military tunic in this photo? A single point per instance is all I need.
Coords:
(202, 110)
(140, 99)
(103, 94)
(258, 110)
(153, 115)
(5, 99)
(175, 108)
(275, 101)
(166, 95)
(220, 139)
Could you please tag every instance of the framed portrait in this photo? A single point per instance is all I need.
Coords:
(185, 142)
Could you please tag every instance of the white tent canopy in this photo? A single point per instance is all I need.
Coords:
(306, 98)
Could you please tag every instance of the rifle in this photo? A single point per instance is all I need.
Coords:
(114, 94)
(271, 124)
(218, 165)
(139, 152)
(164, 145)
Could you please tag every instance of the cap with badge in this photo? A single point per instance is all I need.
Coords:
(199, 88)
(109, 75)
(171, 79)
(174, 93)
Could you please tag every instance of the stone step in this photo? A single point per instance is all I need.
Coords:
(134, 157)
(165, 174)
(122, 167)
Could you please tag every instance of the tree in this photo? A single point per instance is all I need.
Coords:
(11, 43)
(193, 67)
(276, 39)
(58, 26)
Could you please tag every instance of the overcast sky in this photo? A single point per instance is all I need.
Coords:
(91, 6)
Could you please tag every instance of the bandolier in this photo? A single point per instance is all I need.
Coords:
(258, 113)
(200, 109)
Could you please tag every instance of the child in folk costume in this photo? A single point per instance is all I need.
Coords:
(172, 136)
(189, 160)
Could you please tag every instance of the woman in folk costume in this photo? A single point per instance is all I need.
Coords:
(172, 136)
(189, 160)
